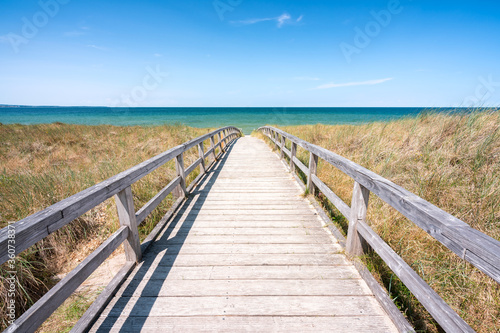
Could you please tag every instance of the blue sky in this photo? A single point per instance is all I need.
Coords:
(250, 53)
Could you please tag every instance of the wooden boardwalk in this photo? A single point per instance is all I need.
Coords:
(246, 252)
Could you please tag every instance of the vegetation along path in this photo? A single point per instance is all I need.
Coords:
(246, 251)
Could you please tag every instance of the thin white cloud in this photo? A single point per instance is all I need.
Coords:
(281, 20)
(158, 55)
(351, 84)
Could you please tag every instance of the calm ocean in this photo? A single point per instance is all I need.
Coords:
(245, 118)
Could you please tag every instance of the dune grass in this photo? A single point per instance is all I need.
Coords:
(43, 164)
(450, 160)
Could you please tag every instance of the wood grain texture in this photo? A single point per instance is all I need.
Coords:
(156, 200)
(437, 307)
(126, 215)
(355, 244)
(230, 324)
(43, 308)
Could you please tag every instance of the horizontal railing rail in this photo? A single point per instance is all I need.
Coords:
(36, 227)
(469, 244)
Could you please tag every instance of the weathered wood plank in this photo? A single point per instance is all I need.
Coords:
(230, 324)
(160, 288)
(246, 248)
(250, 239)
(439, 309)
(355, 244)
(334, 199)
(247, 306)
(236, 259)
(156, 200)
(126, 214)
(93, 312)
(43, 308)
(195, 231)
(257, 272)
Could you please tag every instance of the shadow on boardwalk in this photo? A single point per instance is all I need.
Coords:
(169, 254)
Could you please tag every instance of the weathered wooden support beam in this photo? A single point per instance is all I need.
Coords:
(293, 154)
(282, 154)
(180, 191)
(313, 165)
(356, 244)
(126, 214)
(212, 147)
(201, 152)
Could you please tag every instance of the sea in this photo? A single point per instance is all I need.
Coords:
(246, 118)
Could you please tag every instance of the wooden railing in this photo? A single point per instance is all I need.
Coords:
(34, 228)
(469, 244)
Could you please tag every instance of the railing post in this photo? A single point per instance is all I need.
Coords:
(292, 155)
(356, 245)
(282, 154)
(180, 190)
(212, 146)
(313, 166)
(201, 151)
(126, 214)
(221, 136)
(275, 136)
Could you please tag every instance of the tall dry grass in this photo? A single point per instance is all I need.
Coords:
(43, 164)
(450, 160)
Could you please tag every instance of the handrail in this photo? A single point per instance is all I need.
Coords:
(471, 245)
(35, 227)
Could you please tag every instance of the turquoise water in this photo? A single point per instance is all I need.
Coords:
(246, 118)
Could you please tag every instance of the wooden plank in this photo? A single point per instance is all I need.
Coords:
(180, 191)
(439, 309)
(241, 305)
(235, 259)
(192, 167)
(202, 158)
(313, 165)
(293, 155)
(230, 324)
(158, 287)
(156, 200)
(385, 301)
(93, 312)
(246, 248)
(355, 244)
(45, 306)
(126, 214)
(330, 195)
(259, 272)
(195, 231)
